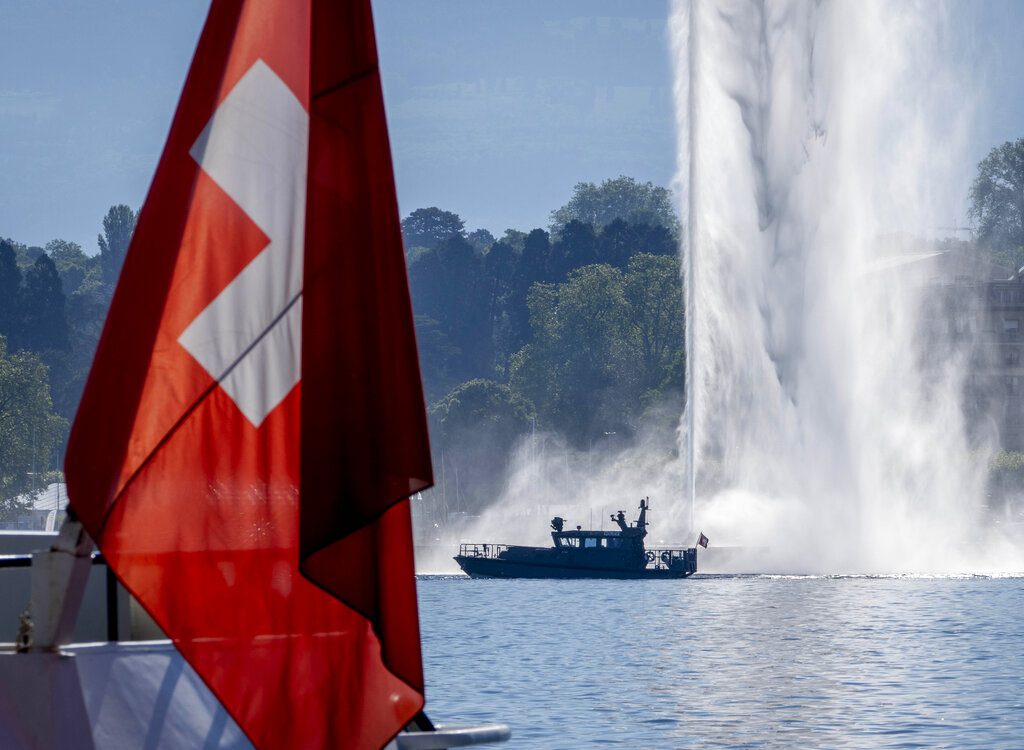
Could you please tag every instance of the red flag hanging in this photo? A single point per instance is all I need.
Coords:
(263, 308)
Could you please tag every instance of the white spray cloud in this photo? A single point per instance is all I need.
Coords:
(815, 138)
(548, 477)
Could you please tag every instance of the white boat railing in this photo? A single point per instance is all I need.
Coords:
(46, 680)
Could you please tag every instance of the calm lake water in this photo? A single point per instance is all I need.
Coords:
(730, 661)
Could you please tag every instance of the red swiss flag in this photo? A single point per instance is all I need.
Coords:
(254, 417)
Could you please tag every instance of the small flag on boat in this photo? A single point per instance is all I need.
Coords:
(703, 540)
(254, 421)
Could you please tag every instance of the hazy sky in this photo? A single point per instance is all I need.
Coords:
(496, 109)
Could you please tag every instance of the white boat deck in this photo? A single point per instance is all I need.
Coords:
(115, 694)
(105, 695)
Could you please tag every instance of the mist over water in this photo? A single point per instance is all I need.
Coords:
(549, 477)
(817, 140)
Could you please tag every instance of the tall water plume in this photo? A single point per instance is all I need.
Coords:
(816, 141)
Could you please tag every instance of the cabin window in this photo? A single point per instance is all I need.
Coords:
(1010, 325)
(614, 542)
(589, 542)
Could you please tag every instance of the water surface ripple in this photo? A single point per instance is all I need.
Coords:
(730, 662)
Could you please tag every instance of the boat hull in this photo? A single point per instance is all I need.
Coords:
(488, 567)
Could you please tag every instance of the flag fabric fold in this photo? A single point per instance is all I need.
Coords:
(254, 418)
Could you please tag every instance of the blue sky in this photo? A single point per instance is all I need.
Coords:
(496, 109)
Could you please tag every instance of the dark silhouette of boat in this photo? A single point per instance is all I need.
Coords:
(580, 553)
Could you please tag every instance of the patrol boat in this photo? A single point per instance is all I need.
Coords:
(580, 553)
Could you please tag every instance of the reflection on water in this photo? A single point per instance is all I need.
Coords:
(718, 661)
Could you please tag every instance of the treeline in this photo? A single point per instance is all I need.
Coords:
(578, 328)
(996, 204)
(575, 329)
(53, 301)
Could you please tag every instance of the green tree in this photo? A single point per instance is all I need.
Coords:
(483, 406)
(30, 432)
(576, 367)
(658, 240)
(997, 197)
(72, 264)
(448, 285)
(501, 265)
(27, 255)
(44, 323)
(654, 293)
(439, 358)
(501, 268)
(576, 247)
(86, 312)
(10, 283)
(618, 242)
(514, 239)
(606, 346)
(118, 228)
(428, 227)
(88, 299)
(481, 240)
(619, 198)
(535, 258)
(476, 426)
(527, 258)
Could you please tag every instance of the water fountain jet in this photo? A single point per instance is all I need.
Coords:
(817, 141)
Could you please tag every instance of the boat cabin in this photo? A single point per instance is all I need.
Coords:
(627, 535)
(590, 539)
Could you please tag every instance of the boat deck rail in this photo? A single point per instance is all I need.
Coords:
(490, 551)
(663, 557)
(8, 562)
(657, 557)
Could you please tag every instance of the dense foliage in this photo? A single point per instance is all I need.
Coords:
(579, 328)
(604, 345)
(29, 430)
(575, 329)
(621, 198)
(997, 197)
(426, 227)
(53, 301)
